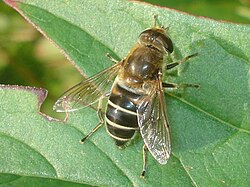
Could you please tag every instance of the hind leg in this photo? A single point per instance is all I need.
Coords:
(144, 156)
(101, 122)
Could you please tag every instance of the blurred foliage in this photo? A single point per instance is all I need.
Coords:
(237, 11)
(28, 58)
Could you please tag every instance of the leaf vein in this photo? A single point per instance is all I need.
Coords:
(210, 115)
(184, 167)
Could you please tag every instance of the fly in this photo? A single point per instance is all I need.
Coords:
(135, 93)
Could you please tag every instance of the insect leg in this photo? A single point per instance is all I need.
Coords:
(111, 58)
(176, 86)
(172, 65)
(144, 155)
(101, 122)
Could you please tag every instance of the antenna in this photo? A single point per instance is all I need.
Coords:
(155, 19)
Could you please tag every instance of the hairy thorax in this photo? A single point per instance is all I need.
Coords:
(141, 68)
(143, 65)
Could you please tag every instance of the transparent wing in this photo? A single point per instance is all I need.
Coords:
(88, 91)
(153, 123)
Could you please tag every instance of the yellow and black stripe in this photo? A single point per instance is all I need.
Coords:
(121, 116)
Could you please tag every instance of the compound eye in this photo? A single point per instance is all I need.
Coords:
(145, 35)
(168, 44)
(165, 42)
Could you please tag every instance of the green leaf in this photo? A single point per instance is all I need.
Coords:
(210, 127)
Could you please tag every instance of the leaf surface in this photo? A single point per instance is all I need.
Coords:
(210, 127)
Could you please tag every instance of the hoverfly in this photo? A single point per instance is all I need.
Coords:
(135, 93)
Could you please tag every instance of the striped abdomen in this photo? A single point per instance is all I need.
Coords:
(121, 117)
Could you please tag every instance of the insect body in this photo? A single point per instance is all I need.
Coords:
(135, 89)
(135, 93)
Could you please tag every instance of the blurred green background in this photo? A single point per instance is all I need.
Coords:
(28, 58)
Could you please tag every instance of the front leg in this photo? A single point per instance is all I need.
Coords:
(112, 59)
(174, 64)
(176, 86)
